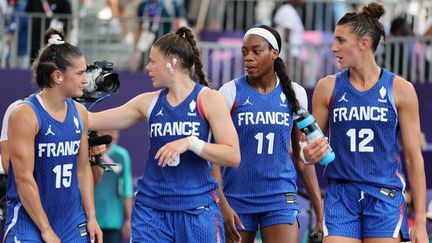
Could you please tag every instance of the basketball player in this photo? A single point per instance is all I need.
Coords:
(50, 187)
(262, 192)
(364, 107)
(176, 198)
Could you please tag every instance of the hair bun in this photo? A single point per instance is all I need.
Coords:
(55, 36)
(374, 10)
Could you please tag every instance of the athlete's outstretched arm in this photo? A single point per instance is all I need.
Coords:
(85, 180)
(123, 116)
(310, 180)
(226, 150)
(408, 113)
(23, 127)
(230, 217)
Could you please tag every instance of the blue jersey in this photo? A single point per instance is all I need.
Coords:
(189, 184)
(266, 177)
(55, 171)
(366, 137)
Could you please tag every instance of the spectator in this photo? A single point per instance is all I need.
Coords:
(49, 7)
(114, 193)
(156, 19)
(290, 27)
(400, 28)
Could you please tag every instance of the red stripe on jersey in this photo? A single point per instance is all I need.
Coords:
(200, 107)
(233, 108)
(218, 240)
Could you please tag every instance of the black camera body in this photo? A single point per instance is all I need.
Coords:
(100, 79)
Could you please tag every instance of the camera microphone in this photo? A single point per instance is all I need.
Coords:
(95, 141)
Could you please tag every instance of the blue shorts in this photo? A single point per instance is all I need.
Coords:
(20, 228)
(253, 221)
(350, 212)
(203, 224)
(30, 233)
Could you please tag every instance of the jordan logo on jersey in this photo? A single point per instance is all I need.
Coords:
(247, 102)
(382, 92)
(49, 131)
(283, 100)
(76, 122)
(343, 98)
(160, 112)
(192, 106)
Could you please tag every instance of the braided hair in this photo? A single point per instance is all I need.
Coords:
(282, 72)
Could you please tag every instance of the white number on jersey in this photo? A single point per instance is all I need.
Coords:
(260, 137)
(63, 175)
(366, 135)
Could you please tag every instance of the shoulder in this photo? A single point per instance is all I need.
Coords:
(326, 84)
(403, 91)
(228, 90)
(301, 95)
(23, 114)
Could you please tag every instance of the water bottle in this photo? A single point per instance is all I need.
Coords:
(307, 125)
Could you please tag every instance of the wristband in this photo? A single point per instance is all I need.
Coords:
(196, 145)
(302, 145)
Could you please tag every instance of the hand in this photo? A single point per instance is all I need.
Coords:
(126, 229)
(318, 226)
(98, 150)
(230, 219)
(315, 151)
(170, 151)
(49, 236)
(418, 234)
(94, 231)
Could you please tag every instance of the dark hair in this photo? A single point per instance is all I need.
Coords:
(53, 57)
(282, 72)
(366, 22)
(182, 44)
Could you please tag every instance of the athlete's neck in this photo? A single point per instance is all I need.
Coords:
(179, 90)
(264, 84)
(364, 78)
(52, 101)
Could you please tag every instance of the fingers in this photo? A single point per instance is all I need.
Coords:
(238, 221)
(165, 156)
(316, 150)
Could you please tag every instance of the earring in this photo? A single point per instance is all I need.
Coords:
(170, 67)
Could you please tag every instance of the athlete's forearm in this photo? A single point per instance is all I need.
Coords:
(310, 182)
(417, 180)
(85, 180)
(221, 154)
(30, 198)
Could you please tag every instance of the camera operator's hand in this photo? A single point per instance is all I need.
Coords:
(169, 152)
(98, 150)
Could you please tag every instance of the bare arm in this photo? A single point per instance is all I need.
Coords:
(408, 112)
(123, 116)
(85, 179)
(4, 156)
(229, 216)
(316, 150)
(226, 150)
(23, 127)
(309, 178)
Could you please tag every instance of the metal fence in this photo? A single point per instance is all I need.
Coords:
(408, 57)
